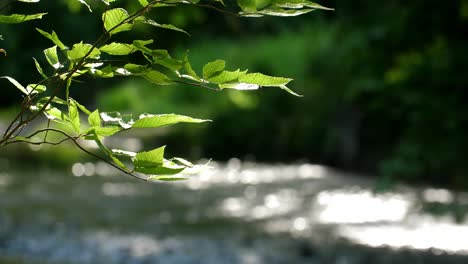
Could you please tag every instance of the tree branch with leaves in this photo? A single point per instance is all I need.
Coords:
(101, 59)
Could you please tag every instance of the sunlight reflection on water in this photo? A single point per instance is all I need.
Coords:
(301, 198)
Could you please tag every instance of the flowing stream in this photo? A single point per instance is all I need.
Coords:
(236, 212)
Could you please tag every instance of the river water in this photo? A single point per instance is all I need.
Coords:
(236, 212)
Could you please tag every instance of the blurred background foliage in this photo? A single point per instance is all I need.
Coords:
(384, 84)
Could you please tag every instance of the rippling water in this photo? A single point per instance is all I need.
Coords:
(238, 212)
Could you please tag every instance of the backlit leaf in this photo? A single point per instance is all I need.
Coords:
(52, 57)
(264, 80)
(115, 48)
(74, 116)
(151, 158)
(39, 69)
(115, 20)
(94, 119)
(155, 121)
(226, 76)
(53, 37)
(80, 50)
(16, 84)
(213, 67)
(19, 18)
(166, 178)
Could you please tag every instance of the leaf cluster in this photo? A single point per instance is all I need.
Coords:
(107, 58)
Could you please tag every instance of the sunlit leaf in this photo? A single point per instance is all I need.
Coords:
(284, 87)
(94, 119)
(159, 170)
(74, 116)
(156, 77)
(247, 5)
(239, 86)
(191, 74)
(16, 84)
(274, 11)
(52, 57)
(226, 76)
(115, 20)
(115, 118)
(213, 67)
(165, 26)
(35, 88)
(151, 158)
(155, 121)
(263, 80)
(166, 178)
(55, 114)
(39, 69)
(53, 37)
(106, 72)
(298, 4)
(115, 48)
(104, 131)
(80, 50)
(143, 2)
(19, 18)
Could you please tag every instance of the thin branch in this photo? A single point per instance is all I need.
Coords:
(75, 141)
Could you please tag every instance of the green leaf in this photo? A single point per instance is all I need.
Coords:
(165, 26)
(106, 72)
(52, 57)
(74, 116)
(169, 63)
(299, 4)
(136, 69)
(151, 158)
(213, 67)
(191, 74)
(263, 80)
(109, 153)
(239, 86)
(35, 88)
(104, 131)
(56, 115)
(117, 119)
(19, 18)
(155, 121)
(166, 178)
(115, 48)
(19, 138)
(226, 76)
(53, 37)
(284, 87)
(85, 4)
(249, 6)
(274, 11)
(80, 50)
(114, 20)
(141, 45)
(159, 170)
(16, 84)
(94, 119)
(143, 2)
(157, 77)
(107, 2)
(39, 69)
